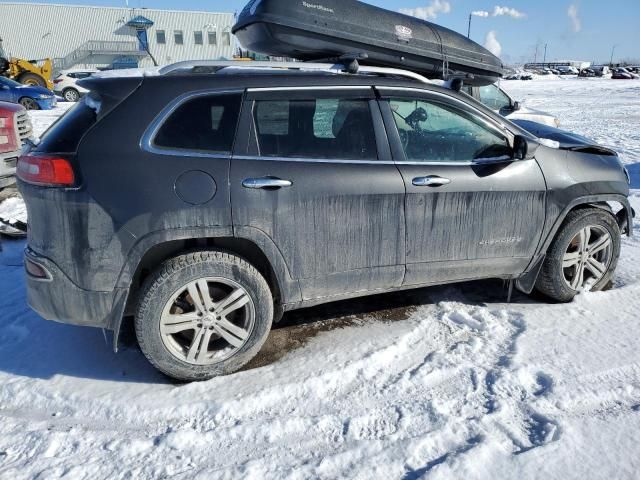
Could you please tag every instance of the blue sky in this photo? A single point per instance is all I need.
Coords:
(589, 33)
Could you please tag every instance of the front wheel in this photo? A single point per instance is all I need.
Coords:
(29, 103)
(203, 314)
(583, 256)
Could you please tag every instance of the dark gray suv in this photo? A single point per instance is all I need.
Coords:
(205, 201)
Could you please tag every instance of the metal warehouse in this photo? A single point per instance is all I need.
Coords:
(85, 36)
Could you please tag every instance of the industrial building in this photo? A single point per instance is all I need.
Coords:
(87, 36)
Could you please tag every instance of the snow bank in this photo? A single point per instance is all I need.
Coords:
(13, 210)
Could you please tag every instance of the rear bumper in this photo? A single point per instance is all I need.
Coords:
(55, 297)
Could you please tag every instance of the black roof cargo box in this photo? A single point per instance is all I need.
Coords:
(313, 30)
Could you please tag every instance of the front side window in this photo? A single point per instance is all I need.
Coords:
(178, 37)
(206, 123)
(431, 131)
(316, 128)
(161, 38)
(197, 38)
(494, 98)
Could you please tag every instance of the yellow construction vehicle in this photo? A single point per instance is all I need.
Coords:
(27, 72)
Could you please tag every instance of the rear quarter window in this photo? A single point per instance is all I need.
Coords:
(205, 123)
(65, 134)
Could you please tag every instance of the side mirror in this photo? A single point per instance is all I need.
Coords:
(523, 148)
(516, 106)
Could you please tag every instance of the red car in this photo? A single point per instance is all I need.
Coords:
(15, 129)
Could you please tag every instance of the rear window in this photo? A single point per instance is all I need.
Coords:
(320, 128)
(206, 123)
(65, 134)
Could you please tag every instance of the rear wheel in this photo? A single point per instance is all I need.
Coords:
(71, 95)
(203, 314)
(583, 256)
(29, 103)
(32, 80)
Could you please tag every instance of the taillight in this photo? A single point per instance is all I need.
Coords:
(46, 170)
(8, 138)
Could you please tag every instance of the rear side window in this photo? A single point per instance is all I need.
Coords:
(65, 134)
(319, 128)
(206, 123)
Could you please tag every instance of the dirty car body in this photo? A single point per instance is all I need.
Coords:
(323, 182)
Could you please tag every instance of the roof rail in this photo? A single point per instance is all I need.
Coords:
(302, 66)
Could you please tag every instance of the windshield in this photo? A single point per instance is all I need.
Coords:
(9, 83)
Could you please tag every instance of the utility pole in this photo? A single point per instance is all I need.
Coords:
(545, 53)
(535, 58)
(612, 52)
(469, 30)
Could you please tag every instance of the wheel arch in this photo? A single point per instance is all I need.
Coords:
(624, 217)
(30, 98)
(248, 243)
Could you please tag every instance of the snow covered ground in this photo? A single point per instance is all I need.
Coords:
(438, 383)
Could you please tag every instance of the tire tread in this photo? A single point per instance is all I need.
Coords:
(162, 276)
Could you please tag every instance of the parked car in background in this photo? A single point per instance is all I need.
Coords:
(65, 84)
(587, 73)
(622, 74)
(30, 97)
(272, 189)
(567, 70)
(601, 70)
(499, 101)
(15, 130)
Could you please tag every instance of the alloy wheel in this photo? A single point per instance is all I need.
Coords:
(587, 258)
(71, 95)
(207, 321)
(29, 104)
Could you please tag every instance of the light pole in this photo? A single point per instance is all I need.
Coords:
(545, 53)
(612, 52)
(469, 30)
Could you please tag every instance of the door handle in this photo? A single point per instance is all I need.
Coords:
(431, 181)
(268, 183)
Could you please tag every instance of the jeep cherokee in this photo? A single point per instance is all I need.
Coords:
(206, 200)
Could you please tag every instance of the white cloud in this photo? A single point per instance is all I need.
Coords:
(491, 43)
(499, 11)
(510, 12)
(428, 13)
(576, 24)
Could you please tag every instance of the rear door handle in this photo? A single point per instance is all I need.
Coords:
(267, 183)
(431, 181)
